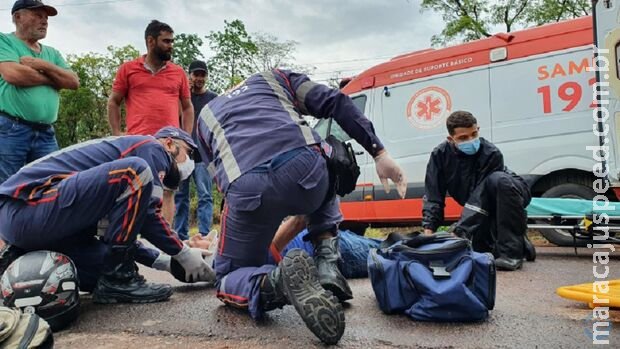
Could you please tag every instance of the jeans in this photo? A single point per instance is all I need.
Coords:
(20, 144)
(205, 203)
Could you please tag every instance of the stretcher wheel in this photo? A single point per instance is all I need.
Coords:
(563, 237)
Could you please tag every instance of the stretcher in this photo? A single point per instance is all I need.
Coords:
(585, 293)
(574, 218)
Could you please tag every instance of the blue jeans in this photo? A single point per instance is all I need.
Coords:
(20, 144)
(205, 203)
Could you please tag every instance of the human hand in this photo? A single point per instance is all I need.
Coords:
(34, 63)
(428, 232)
(192, 261)
(388, 168)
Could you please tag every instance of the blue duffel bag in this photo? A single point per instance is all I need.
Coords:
(433, 278)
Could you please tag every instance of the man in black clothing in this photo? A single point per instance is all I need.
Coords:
(471, 170)
(198, 74)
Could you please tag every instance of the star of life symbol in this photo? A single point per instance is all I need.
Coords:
(429, 107)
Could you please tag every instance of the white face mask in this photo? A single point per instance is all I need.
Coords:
(186, 168)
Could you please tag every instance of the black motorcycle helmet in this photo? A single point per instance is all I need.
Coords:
(46, 281)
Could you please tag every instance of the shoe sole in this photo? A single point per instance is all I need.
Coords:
(123, 298)
(319, 308)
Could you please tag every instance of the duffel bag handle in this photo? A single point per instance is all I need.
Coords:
(421, 239)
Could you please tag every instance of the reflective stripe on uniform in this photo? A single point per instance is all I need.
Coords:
(288, 106)
(301, 93)
(145, 177)
(231, 167)
(70, 148)
(476, 209)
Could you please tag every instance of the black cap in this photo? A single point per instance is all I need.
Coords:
(198, 65)
(32, 4)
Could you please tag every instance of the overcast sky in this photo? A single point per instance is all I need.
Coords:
(334, 36)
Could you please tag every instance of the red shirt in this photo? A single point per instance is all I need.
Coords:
(152, 100)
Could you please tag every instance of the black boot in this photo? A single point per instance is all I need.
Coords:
(508, 264)
(8, 254)
(326, 256)
(120, 282)
(296, 281)
(529, 251)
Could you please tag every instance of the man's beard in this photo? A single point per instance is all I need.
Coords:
(162, 55)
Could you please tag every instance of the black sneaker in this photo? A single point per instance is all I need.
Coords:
(320, 310)
(529, 251)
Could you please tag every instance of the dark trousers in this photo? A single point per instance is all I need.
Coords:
(120, 190)
(256, 204)
(495, 218)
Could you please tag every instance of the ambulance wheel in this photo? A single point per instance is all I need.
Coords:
(562, 237)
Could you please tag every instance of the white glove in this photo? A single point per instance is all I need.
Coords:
(388, 168)
(162, 262)
(193, 262)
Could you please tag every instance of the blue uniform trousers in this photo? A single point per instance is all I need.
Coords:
(119, 189)
(293, 183)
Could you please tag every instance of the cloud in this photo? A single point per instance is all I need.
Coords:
(328, 32)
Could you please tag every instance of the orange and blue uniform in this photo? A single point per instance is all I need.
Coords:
(56, 202)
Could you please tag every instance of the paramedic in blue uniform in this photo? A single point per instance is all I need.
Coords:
(268, 162)
(54, 203)
(471, 169)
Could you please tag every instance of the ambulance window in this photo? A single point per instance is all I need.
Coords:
(336, 130)
(360, 102)
(321, 127)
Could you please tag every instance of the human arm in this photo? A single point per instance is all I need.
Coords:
(23, 76)
(61, 77)
(434, 194)
(187, 115)
(114, 112)
(288, 230)
(168, 205)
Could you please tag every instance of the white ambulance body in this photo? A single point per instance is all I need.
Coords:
(530, 91)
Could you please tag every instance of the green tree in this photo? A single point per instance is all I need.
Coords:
(273, 53)
(186, 49)
(468, 20)
(233, 49)
(83, 113)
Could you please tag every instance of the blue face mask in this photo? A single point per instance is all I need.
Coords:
(470, 147)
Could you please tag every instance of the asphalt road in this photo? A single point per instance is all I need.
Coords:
(528, 314)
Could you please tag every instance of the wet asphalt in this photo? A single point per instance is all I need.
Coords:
(527, 314)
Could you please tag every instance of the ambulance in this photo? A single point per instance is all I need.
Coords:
(532, 94)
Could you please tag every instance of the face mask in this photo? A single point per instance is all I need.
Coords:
(186, 168)
(469, 147)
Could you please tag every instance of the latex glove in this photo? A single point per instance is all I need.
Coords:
(193, 262)
(388, 168)
(162, 262)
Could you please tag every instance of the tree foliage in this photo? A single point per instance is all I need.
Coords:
(233, 49)
(186, 49)
(272, 53)
(83, 113)
(237, 55)
(468, 20)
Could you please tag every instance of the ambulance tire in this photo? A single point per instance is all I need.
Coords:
(562, 237)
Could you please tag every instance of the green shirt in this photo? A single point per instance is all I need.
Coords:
(36, 103)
